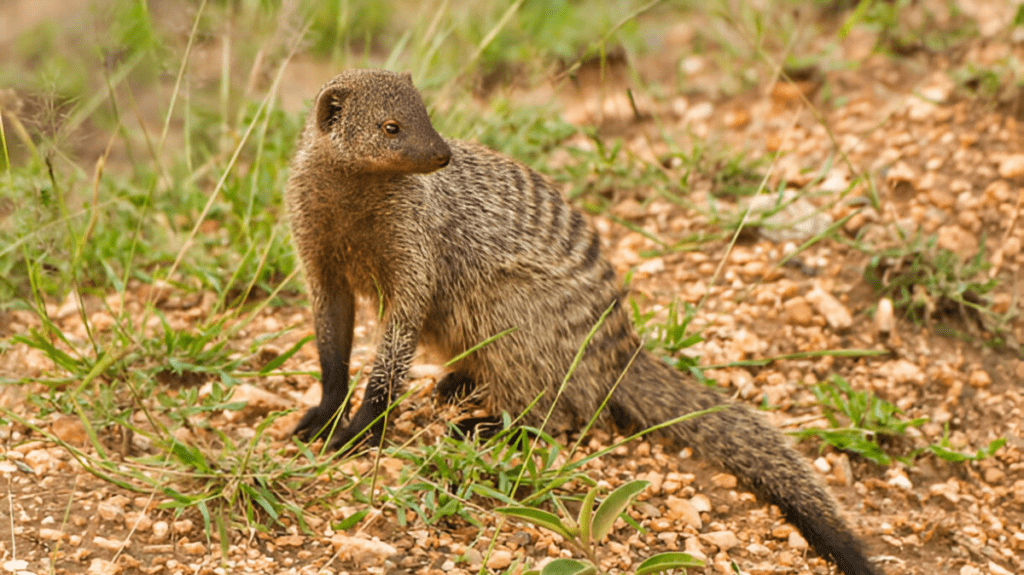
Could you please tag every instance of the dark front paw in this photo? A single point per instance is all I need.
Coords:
(318, 421)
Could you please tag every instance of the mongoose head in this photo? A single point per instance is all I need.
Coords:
(375, 123)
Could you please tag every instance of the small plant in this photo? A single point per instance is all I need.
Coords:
(874, 421)
(670, 338)
(944, 450)
(869, 419)
(590, 527)
(927, 282)
(439, 480)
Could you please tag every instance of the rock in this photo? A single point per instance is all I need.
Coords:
(702, 503)
(647, 510)
(51, 534)
(15, 565)
(1012, 167)
(258, 402)
(724, 567)
(724, 540)
(656, 479)
(822, 465)
(724, 480)
(758, 550)
(997, 569)
(885, 319)
(787, 218)
(900, 480)
(903, 181)
(796, 541)
(994, 476)
(783, 531)
(290, 541)
(842, 473)
(103, 567)
(693, 547)
(521, 538)
(797, 311)
(835, 313)
(160, 530)
(39, 460)
(111, 511)
(108, 544)
(979, 378)
(182, 527)
(499, 559)
(669, 539)
(661, 525)
(137, 520)
(69, 429)
(903, 371)
(361, 551)
(474, 558)
(193, 548)
(651, 266)
(957, 240)
(684, 511)
(1018, 491)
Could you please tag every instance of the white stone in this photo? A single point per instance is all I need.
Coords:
(1012, 167)
(103, 567)
(724, 540)
(835, 313)
(684, 511)
(361, 551)
(499, 559)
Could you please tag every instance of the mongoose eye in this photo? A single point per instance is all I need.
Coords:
(391, 128)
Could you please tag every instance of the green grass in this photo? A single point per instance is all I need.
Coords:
(143, 161)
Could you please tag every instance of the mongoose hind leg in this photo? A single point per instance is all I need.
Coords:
(483, 428)
(454, 387)
(458, 387)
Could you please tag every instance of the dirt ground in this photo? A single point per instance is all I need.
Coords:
(943, 162)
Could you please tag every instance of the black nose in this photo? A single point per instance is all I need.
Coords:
(443, 161)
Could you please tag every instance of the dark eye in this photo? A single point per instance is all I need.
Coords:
(391, 128)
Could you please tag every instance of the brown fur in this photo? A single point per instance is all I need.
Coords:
(485, 244)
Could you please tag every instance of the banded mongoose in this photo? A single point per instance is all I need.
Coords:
(462, 243)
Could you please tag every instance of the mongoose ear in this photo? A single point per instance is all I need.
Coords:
(328, 106)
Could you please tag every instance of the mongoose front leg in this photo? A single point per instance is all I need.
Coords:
(334, 316)
(394, 355)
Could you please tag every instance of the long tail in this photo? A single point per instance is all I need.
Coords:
(745, 444)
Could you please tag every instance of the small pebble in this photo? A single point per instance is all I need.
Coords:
(822, 465)
(702, 503)
(900, 480)
(885, 320)
(724, 540)
(796, 541)
(1012, 167)
(160, 530)
(684, 511)
(47, 534)
(724, 480)
(499, 559)
(103, 567)
(979, 378)
(108, 544)
(835, 313)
